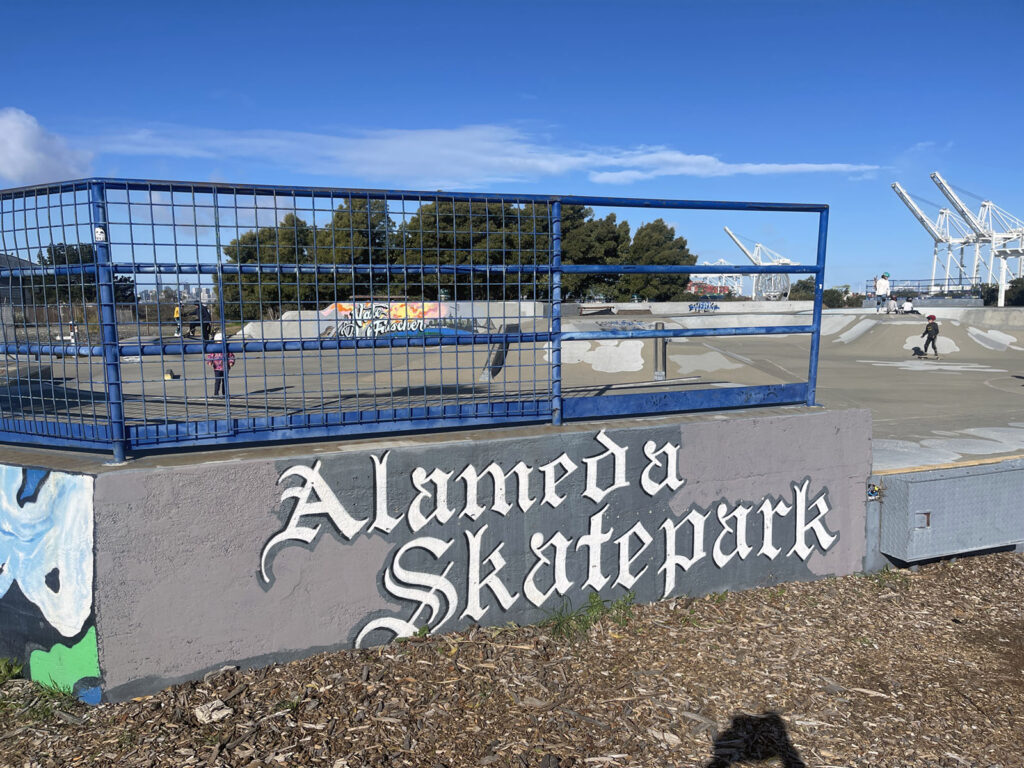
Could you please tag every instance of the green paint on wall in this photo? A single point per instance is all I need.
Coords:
(62, 666)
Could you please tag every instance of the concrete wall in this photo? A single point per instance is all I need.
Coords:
(251, 561)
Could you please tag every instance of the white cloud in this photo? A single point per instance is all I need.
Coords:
(30, 154)
(468, 156)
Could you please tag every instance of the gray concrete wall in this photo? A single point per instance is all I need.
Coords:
(257, 560)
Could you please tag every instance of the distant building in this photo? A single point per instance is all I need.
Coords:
(9, 294)
(699, 288)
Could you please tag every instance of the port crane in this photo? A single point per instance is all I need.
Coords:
(766, 287)
(1000, 230)
(949, 231)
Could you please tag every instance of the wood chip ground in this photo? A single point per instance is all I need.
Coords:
(893, 669)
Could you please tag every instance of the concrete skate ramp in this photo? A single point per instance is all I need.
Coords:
(966, 406)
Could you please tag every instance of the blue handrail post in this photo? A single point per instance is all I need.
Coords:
(819, 288)
(108, 318)
(556, 313)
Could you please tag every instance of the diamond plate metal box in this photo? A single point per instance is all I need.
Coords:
(946, 512)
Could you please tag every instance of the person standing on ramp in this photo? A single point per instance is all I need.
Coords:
(882, 293)
(931, 331)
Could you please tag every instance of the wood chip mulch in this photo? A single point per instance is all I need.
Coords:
(893, 669)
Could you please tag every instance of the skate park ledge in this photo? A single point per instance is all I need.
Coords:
(122, 580)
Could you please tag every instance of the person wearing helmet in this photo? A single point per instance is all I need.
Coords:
(931, 331)
(882, 292)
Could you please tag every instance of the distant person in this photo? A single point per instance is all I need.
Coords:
(882, 292)
(177, 319)
(908, 307)
(202, 319)
(890, 307)
(931, 333)
(216, 360)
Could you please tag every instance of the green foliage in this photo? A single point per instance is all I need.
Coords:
(570, 624)
(49, 698)
(690, 618)
(621, 610)
(888, 578)
(442, 233)
(478, 234)
(590, 241)
(9, 669)
(802, 290)
(1014, 293)
(357, 232)
(74, 288)
(833, 298)
(655, 244)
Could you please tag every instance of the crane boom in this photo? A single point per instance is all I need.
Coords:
(970, 218)
(742, 247)
(918, 214)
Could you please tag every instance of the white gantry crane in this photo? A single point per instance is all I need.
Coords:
(766, 287)
(733, 283)
(1001, 231)
(949, 231)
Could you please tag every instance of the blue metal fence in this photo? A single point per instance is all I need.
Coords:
(143, 315)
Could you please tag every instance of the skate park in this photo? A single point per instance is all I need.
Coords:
(363, 468)
(925, 411)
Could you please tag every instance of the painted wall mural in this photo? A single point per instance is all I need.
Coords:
(514, 540)
(47, 620)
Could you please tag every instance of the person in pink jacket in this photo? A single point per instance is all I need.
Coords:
(216, 360)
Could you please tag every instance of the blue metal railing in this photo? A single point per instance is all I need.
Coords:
(929, 288)
(343, 311)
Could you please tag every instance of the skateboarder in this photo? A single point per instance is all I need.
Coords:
(931, 331)
(203, 320)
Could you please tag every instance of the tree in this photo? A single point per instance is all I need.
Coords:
(358, 234)
(494, 234)
(1014, 293)
(586, 240)
(833, 298)
(802, 290)
(75, 287)
(655, 243)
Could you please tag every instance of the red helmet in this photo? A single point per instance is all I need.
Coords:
(931, 317)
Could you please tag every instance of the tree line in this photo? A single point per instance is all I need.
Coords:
(361, 233)
(72, 287)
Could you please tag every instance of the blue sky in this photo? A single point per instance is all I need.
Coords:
(785, 101)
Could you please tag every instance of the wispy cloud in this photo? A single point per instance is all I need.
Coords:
(468, 156)
(30, 154)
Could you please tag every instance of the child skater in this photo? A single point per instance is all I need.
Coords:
(216, 360)
(931, 331)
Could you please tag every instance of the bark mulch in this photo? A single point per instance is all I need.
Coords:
(892, 669)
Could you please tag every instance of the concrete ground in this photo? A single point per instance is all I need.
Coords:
(964, 407)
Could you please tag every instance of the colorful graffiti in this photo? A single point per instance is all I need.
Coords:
(46, 578)
(359, 320)
(396, 310)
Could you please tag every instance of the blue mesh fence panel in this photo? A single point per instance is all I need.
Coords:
(142, 315)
